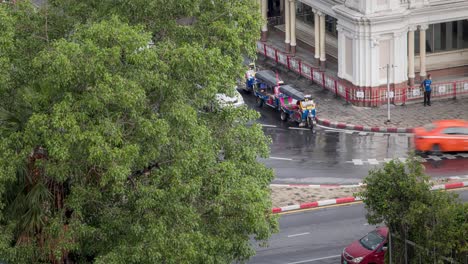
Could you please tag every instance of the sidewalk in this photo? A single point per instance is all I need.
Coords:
(337, 110)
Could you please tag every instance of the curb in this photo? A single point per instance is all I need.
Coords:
(448, 186)
(293, 207)
(345, 200)
(332, 124)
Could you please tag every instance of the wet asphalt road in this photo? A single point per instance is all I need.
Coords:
(330, 156)
(317, 236)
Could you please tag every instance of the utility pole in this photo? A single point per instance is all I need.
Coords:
(388, 93)
(388, 90)
(390, 245)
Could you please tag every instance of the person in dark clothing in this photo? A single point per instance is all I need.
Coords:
(426, 85)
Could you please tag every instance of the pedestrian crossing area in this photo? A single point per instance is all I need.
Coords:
(425, 158)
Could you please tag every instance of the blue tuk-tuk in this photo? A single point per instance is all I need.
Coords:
(267, 89)
(297, 107)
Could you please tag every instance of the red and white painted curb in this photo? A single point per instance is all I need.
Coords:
(342, 200)
(452, 185)
(328, 123)
(345, 200)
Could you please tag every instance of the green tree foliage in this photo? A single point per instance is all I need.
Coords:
(6, 47)
(229, 26)
(108, 156)
(399, 195)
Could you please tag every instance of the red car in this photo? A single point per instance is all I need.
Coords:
(368, 250)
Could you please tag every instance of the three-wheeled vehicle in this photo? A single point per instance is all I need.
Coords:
(297, 107)
(267, 89)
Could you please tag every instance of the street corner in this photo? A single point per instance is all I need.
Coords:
(365, 128)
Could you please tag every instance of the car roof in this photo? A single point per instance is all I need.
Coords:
(383, 230)
(268, 76)
(451, 122)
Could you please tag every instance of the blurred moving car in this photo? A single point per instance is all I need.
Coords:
(225, 100)
(442, 136)
(369, 249)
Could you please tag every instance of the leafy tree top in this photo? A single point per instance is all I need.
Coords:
(109, 155)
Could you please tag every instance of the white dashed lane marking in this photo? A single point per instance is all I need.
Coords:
(301, 234)
(360, 162)
(278, 158)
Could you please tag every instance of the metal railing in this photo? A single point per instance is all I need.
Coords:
(363, 96)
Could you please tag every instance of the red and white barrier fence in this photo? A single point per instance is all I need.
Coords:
(369, 96)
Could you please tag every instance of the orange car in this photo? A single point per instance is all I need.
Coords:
(442, 136)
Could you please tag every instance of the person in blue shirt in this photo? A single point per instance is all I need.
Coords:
(426, 85)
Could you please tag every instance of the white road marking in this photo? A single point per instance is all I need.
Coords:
(434, 157)
(387, 159)
(278, 158)
(301, 234)
(263, 125)
(373, 161)
(358, 162)
(448, 156)
(298, 128)
(465, 155)
(362, 133)
(312, 260)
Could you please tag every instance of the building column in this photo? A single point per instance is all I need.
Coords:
(287, 25)
(322, 41)
(265, 20)
(460, 35)
(411, 74)
(449, 38)
(282, 10)
(317, 35)
(422, 50)
(292, 9)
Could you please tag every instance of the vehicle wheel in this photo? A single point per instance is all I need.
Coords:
(310, 123)
(284, 116)
(259, 102)
(436, 149)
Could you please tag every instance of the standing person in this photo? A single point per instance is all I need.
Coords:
(426, 85)
(250, 77)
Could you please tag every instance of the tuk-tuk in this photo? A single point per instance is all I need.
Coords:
(298, 107)
(267, 88)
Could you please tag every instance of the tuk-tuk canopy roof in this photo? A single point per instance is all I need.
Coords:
(291, 92)
(268, 77)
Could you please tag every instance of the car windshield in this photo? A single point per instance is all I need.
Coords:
(372, 240)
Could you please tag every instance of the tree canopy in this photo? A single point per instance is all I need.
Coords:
(107, 152)
(399, 195)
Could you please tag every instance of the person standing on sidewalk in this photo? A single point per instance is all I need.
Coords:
(426, 85)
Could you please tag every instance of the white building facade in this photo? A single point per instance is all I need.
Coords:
(413, 37)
